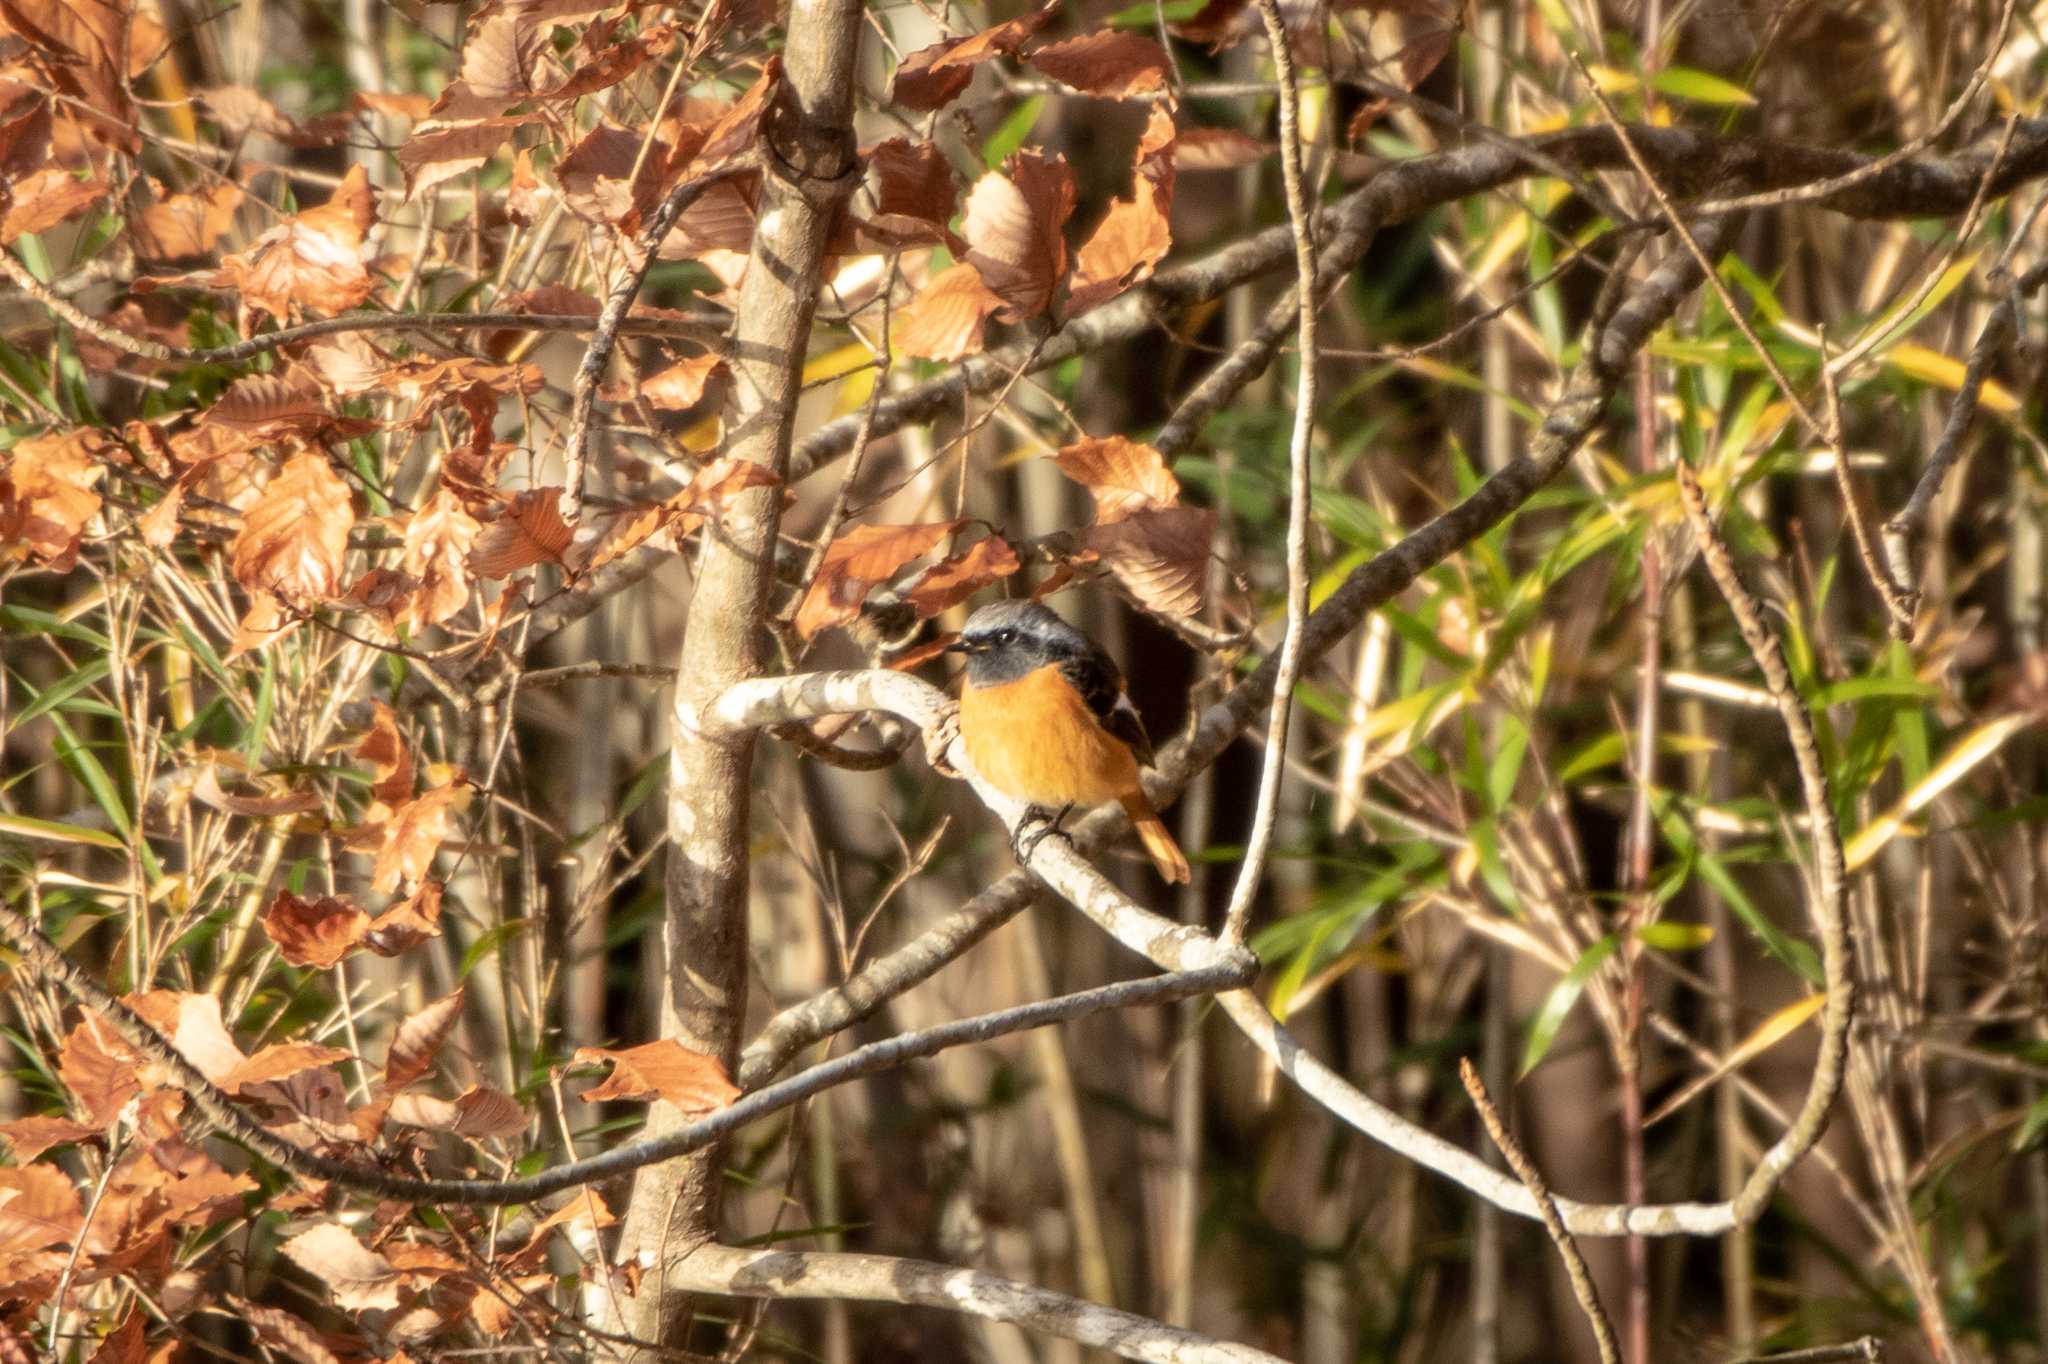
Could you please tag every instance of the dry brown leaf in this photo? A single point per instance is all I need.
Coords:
(682, 385)
(952, 581)
(418, 1040)
(99, 1069)
(27, 1138)
(312, 260)
(206, 787)
(314, 932)
(47, 494)
(408, 923)
(385, 750)
(413, 835)
(38, 1207)
(294, 539)
(1217, 149)
(280, 1061)
(192, 1023)
(187, 225)
(1159, 554)
(912, 180)
(262, 625)
(666, 1070)
(360, 1279)
(1111, 64)
(1014, 223)
(481, 1111)
(436, 151)
(438, 541)
(933, 76)
(290, 1336)
(1123, 476)
(529, 530)
(949, 317)
(50, 196)
(1136, 233)
(855, 562)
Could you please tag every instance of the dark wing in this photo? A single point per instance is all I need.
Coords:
(1102, 687)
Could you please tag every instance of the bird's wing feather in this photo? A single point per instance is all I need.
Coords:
(1102, 686)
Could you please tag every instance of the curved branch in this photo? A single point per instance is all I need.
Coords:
(779, 1274)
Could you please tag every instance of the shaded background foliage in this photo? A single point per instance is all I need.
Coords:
(312, 728)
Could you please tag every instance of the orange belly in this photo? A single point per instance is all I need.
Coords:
(1036, 740)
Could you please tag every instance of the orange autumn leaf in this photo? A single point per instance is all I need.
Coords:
(1122, 475)
(949, 317)
(278, 1062)
(1159, 554)
(385, 750)
(952, 581)
(312, 260)
(413, 835)
(666, 1070)
(48, 493)
(682, 385)
(529, 530)
(314, 932)
(418, 1041)
(1015, 225)
(438, 541)
(294, 538)
(1135, 235)
(407, 923)
(99, 1069)
(46, 198)
(187, 225)
(1112, 64)
(855, 562)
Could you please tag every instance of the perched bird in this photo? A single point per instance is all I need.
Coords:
(1046, 720)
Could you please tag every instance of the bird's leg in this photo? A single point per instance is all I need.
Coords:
(1048, 824)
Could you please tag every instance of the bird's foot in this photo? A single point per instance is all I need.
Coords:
(1042, 824)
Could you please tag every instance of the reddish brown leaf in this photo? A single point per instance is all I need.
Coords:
(436, 151)
(360, 1279)
(1217, 149)
(1112, 64)
(1136, 233)
(99, 1069)
(438, 541)
(262, 625)
(418, 1040)
(1014, 224)
(954, 580)
(385, 750)
(1121, 475)
(682, 385)
(855, 562)
(314, 932)
(31, 1136)
(481, 1111)
(949, 317)
(666, 1070)
(193, 1024)
(931, 77)
(187, 225)
(529, 530)
(294, 539)
(46, 198)
(312, 260)
(1159, 554)
(288, 1335)
(39, 1207)
(270, 407)
(413, 836)
(912, 180)
(47, 493)
(280, 1061)
(408, 923)
(126, 1343)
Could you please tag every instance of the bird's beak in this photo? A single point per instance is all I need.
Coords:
(958, 646)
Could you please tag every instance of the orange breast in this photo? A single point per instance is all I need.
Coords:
(1036, 740)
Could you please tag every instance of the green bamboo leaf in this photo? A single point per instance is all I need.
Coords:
(1685, 82)
(1564, 994)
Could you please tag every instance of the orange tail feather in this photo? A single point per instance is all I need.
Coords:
(1165, 853)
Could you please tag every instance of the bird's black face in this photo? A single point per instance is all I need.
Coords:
(1008, 640)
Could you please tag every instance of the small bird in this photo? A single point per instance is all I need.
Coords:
(1046, 720)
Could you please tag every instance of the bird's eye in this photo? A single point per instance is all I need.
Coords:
(1006, 636)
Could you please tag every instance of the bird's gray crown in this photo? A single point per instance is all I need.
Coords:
(1006, 640)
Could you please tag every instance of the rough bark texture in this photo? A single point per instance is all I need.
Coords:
(808, 148)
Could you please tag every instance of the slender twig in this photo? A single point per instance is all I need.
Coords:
(639, 259)
(1251, 871)
(1899, 604)
(1546, 1210)
(1869, 1350)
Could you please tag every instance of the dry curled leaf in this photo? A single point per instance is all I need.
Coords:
(1135, 235)
(1122, 475)
(438, 541)
(293, 540)
(528, 530)
(418, 1041)
(48, 494)
(1159, 554)
(360, 1279)
(933, 76)
(855, 562)
(952, 581)
(312, 260)
(949, 317)
(280, 1062)
(1113, 64)
(413, 835)
(666, 1070)
(682, 384)
(385, 750)
(314, 932)
(187, 225)
(407, 923)
(1015, 225)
